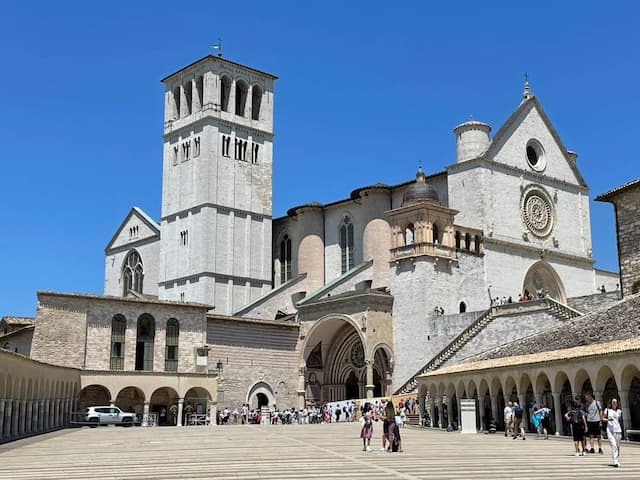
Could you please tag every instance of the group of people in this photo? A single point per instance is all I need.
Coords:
(585, 416)
(522, 297)
(391, 423)
(588, 419)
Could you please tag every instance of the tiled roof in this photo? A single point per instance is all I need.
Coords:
(616, 346)
(605, 197)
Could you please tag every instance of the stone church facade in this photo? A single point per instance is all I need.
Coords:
(349, 299)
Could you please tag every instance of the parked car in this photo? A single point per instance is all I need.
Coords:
(108, 415)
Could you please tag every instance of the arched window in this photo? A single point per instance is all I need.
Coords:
(346, 245)
(225, 93)
(241, 97)
(145, 337)
(285, 259)
(409, 234)
(463, 307)
(171, 346)
(477, 243)
(467, 241)
(118, 331)
(436, 234)
(132, 273)
(256, 102)
(458, 238)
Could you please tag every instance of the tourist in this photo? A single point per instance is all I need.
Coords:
(545, 421)
(613, 416)
(578, 421)
(508, 418)
(492, 426)
(367, 432)
(393, 430)
(518, 421)
(338, 413)
(188, 411)
(603, 289)
(594, 418)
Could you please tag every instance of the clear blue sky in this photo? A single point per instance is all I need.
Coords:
(366, 91)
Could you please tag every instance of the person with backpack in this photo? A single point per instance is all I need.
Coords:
(594, 417)
(518, 421)
(577, 418)
(613, 416)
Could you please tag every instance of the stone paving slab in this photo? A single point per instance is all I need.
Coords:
(298, 452)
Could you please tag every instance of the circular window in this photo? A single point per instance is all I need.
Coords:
(537, 212)
(535, 155)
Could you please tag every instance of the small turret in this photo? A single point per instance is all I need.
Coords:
(472, 140)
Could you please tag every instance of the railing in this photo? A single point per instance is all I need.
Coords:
(425, 248)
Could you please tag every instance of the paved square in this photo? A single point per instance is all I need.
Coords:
(298, 452)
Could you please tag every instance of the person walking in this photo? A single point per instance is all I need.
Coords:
(594, 418)
(367, 432)
(577, 418)
(518, 421)
(508, 418)
(613, 416)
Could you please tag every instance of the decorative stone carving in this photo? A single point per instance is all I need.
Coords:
(537, 212)
(357, 355)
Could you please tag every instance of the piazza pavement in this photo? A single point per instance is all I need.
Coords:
(298, 452)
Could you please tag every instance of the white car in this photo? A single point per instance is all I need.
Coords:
(108, 415)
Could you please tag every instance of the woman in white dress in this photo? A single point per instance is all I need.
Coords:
(613, 415)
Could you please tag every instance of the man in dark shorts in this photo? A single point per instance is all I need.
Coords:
(518, 423)
(577, 418)
(594, 414)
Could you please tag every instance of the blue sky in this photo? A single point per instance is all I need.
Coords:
(366, 91)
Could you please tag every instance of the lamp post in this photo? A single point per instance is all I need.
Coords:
(219, 393)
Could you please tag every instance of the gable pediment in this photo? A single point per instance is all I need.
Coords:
(136, 227)
(528, 141)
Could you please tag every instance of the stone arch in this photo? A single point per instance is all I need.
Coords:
(541, 275)
(602, 378)
(256, 101)
(90, 396)
(131, 399)
(160, 403)
(261, 395)
(582, 382)
(510, 389)
(200, 400)
(630, 382)
(543, 389)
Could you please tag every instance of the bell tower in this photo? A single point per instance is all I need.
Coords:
(215, 242)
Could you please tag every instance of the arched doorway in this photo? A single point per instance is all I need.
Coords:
(351, 386)
(160, 405)
(542, 276)
(335, 356)
(199, 399)
(261, 396)
(131, 399)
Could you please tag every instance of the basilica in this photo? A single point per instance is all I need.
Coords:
(217, 303)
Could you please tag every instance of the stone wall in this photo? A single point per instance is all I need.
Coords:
(253, 352)
(417, 289)
(18, 341)
(597, 301)
(620, 321)
(502, 330)
(628, 222)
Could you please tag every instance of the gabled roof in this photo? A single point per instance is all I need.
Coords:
(607, 196)
(150, 222)
(529, 103)
(9, 320)
(220, 60)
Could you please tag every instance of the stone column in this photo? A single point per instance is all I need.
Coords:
(145, 415)
(624, 404)
(301, 390)
(180, 407)
(28, 416)
(441, 413)
(499, 416)
(557, 410)
(369, 385)
(41, 416)
(8, 428)
(47, 415)
(522, 399)
(34, 416)
(1, 418)
(459, 407)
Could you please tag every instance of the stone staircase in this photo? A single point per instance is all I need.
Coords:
(555, 308)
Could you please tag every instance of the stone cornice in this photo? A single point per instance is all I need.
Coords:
(525, 174)
(220, 276)
(538, 250)
(135, 244)
(222, 208)
(254, 321)
(209, 117)
(42, 295)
